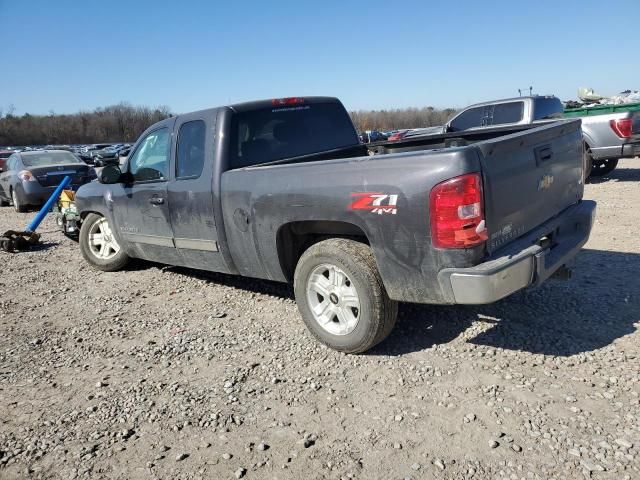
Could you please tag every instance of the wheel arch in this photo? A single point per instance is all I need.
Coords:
(294, 238)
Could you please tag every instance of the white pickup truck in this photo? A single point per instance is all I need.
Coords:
(608, 135)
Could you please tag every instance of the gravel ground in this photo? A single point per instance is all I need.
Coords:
(161, 372)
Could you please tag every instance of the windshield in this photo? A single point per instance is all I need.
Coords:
(274, 133)
(48, 158)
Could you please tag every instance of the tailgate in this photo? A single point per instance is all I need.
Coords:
(635, 126)
(529, 177)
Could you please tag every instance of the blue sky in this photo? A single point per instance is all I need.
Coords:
(67, 55)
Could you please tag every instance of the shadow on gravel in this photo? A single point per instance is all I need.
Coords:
(264, 287)
(600, 304)
(40, 247)
(619, 175)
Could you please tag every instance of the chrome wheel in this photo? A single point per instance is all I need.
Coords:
(101, 241)
(333, 299)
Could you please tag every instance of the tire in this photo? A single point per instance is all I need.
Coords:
(18, 206)
(349, 269)
(600, 168)
(588, 163)
(4, 203)
(109, 258)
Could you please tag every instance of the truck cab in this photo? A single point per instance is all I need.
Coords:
(511, 111)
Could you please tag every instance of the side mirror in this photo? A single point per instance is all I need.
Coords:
(110, 174)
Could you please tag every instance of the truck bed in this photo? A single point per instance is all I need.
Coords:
(529, 176)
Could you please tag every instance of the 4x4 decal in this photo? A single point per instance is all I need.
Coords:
(375, 202)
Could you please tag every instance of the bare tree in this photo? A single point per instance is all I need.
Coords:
(397, 119)
(121, 122)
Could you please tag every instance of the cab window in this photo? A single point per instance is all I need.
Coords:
(190, 151)
(469, 119)
(150, 160)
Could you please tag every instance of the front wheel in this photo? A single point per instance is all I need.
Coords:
(600, 168)
(341, 296)
(99, 246)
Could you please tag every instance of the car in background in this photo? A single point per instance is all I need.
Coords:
(4, 155)
(125, 150)
(111, 155)
(31, 177)
(397, 135)
(369, 136)
(107, 156)
(89, 152)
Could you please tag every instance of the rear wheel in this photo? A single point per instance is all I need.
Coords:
(99, 246)
(341, 296)
(18, 206)
(601, 168)
(588, 162)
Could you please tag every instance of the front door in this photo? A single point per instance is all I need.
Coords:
(141, 207)
(191, 192)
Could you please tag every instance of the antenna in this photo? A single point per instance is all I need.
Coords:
(530, 92)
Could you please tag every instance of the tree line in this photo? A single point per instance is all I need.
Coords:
(397, 119)
(125, 122)
(116, 123)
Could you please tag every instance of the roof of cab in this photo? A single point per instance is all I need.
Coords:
(272, 102)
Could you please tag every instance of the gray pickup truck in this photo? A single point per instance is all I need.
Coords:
(283, 190)
(607, 137)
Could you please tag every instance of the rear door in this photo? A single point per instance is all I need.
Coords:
(530, 177)
(141, 207)
(190, 192)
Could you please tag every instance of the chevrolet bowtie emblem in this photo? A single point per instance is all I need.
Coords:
(545, 182)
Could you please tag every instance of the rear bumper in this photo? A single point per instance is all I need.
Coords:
(626, 150)
(36, 194)
(631, 150)
(523, 263)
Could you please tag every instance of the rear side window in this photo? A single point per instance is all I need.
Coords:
(511, 112)
(469, 119)
(190, 154)
(279, 132)
(547, 108)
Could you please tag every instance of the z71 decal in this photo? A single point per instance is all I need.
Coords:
(375, 202)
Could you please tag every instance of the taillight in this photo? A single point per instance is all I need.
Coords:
(287, 101)
(26, 176)
(457, 212)
(622, 128)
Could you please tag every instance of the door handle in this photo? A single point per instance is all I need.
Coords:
(156, 200)
(543, 154)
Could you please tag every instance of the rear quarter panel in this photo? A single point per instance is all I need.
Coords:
(600, 137)
(257, 202)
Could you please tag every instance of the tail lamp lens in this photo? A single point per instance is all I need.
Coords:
(457, 212)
